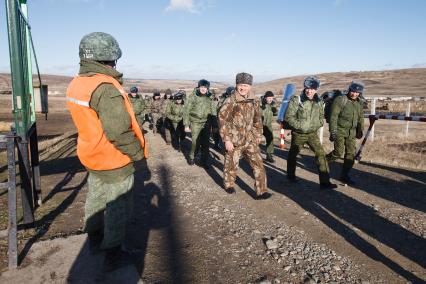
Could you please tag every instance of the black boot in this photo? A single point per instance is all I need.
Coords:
(230, 190)
(116, 258)
(190, 162)
(328, 185)
(347, 180)
(292, 178)
(95, 240)
(269, 158)
(264, 195)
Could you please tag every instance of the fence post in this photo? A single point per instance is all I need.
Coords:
(321, 134)
(373, 112)
(407, 113)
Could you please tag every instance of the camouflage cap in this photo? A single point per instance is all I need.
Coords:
(244, 78)
(99, 46)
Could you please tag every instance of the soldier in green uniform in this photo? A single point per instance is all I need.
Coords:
(174, 114)
(268, 111)
(156, 111)
(138, 105)
(109, 142)
(167, 100)
(346, 124)
(198, 111)
(305, 115)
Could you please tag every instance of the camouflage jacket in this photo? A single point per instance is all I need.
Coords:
(198, 109)
(346, 117)
(268, 111)
(174, 112)
(157, 107)
(304, 115)
(240, 119)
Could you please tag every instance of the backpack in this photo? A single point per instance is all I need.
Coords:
(328, 98)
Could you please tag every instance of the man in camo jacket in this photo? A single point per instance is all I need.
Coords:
(241, 129)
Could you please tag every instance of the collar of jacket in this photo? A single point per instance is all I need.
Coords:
(239, 98)
(90, 67)
(356, 100)
(304, 98)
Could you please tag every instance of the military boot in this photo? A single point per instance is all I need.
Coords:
(347, 180)
(116, 258)
(269, 158)
(95, 240)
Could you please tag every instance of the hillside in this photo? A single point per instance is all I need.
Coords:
(402, 82)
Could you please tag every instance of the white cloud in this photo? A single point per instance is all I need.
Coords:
(184, 5)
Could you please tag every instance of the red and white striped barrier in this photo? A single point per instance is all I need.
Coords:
(282, 140)
(396, 117)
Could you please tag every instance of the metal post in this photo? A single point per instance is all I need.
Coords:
(407, 114)
(12, 226)
(35, 165)
(373, 112)
(26, 188)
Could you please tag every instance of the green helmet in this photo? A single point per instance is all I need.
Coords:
(99, 46)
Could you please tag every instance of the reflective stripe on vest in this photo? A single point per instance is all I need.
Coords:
(94, 150)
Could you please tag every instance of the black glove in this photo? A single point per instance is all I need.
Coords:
(359, 134)
(333, 137)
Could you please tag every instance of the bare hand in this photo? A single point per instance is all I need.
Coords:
(187, 129)
(229, 146)
(258, 140)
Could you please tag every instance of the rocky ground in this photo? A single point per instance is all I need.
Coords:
(186, 229)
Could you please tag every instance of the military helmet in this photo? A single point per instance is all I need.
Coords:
(134, 89)
(204, 83)
(356, 86)
(99, 46)
(268, 94)
(311, 82)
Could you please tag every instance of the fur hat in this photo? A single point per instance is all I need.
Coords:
(268, 94)
(244, 78)
(356, 86)
(204, 83)
(311, 82)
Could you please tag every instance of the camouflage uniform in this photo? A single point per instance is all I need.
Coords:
(138, 105)
(346, 118)
(240, 123)
(174, 114)
(109, 196)
(157, 114)
(305, 118)
(268, 111)
(198, 111)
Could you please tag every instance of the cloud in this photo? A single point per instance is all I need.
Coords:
(337, 3)
(183, 5)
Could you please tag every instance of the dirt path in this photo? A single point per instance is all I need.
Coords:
(186, 229)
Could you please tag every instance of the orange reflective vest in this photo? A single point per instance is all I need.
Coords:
(94, 150)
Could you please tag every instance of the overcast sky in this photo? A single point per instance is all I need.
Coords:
(214, 39)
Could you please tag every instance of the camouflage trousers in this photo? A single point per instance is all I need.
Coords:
(108, 207)
(267, 132)
(312, 139)
(157, 121)
(200, 140)
(346, 146)
(251, 153)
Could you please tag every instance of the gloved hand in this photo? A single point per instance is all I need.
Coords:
(333, 137)
(359, 134)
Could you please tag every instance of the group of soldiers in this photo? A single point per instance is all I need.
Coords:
(110, 123)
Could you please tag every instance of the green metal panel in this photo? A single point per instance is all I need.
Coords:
(19, 72)
(24, 9)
